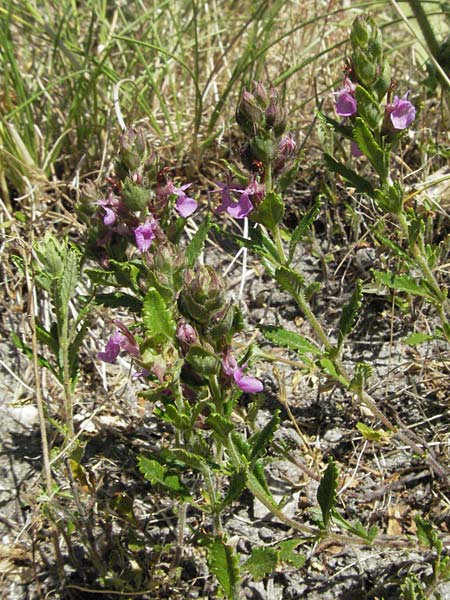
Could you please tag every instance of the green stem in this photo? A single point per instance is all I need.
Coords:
(317, 327)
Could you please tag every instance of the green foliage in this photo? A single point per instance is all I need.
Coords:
(302, 228)
(157, 318)
(371, 148)
(368, 107)
(260, 440)
(159, 475)
(261, 563)
(349, 314)
(270, 212)
(290, 339)
(359, 183)
(402, 283)
(290, 280)
(361, 376)
(326, 493)
(224, 564)
(197, 242)
(373, 435)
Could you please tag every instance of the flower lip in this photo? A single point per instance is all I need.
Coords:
(145, 234)
(401, 112)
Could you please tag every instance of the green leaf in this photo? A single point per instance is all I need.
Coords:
(262, 562)
(412, 589)
(336, 126)
(368, 107)
(414, 339)
(357, 528)
(158, 321)
(290, 280)
(289, 339)
(349, 314)
(270, 212)
(221, 426)
(262, 439)
(237, 484)
(157, 473)
(373, 435)
(119, 299)
(69, 281)
(287, 552)
(197, 242)
(426, 535)
(302, 228)
(224, 564)
(361, 376)
(258, 480)
(401, 283)
(329, 368)
(204, 362)
(42, 361)
(46, 337)
(370, 147)
(326, 493)
(100, 276)
(361, 184)
(390, 199)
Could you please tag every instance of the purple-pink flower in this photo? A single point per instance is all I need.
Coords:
(346, 102)
(184, 205)
(401, 112)
(145, 234)
(238, 208)
(122, 339)
(246, 383)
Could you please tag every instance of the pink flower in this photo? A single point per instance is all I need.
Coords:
(239, 208)
(185, 205)
(248, 384)
(401, 112)
(346, 102)
(145, 234)
(122, 339)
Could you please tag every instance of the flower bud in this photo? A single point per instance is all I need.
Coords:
(203, 294)
(249, 115)
(135, 197)
(186, 335)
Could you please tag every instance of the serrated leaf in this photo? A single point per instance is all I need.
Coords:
(262, 439)
(224, 564)
(287, 552)
(197, 242)
(426, 535)
(45, 337)
(204, 362)
(412, 589)
(100, 276)
(289, 339)
(42, 361)
(361, 376)
(361, 184)
(401, 283)
(302, 228)
(290, 281)
(258, 480)
(119, 299)
(156, 473)
(368, 107)
(237, 484)
(270, 212)
(222, 426)
(373, 435)
(414, 339)
(336, 126)
(370, 147)
(326, 492)
(69, 280)
(329, 368)
(158, 321)
(357, 528)
(262, 562)
(349, 314)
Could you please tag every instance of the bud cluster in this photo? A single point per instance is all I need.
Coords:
(367, 82)
(262, 118)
